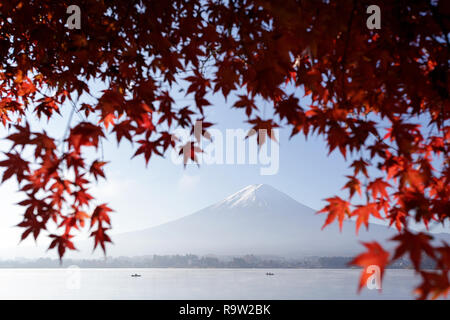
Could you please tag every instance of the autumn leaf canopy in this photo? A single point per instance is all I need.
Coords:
(379, 97)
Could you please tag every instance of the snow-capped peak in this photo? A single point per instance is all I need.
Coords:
(252, 195)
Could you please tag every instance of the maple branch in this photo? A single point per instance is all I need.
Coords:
(69, 121)
(347, 42)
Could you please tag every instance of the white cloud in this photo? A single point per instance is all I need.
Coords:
(113, 187)
(187, 182)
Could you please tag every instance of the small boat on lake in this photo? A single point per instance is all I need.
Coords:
(270, 274)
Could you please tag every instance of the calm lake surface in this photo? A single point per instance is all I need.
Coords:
(198, 284)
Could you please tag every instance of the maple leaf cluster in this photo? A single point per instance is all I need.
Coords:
(379, 97)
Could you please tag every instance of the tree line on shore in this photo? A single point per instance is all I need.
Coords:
(195, 261)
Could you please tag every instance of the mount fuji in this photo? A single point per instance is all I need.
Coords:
(259, 220)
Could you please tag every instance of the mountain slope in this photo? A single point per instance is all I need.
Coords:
(255, 220)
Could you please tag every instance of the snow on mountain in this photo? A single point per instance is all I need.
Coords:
(258, 219)
(253, 195)
(256, 196)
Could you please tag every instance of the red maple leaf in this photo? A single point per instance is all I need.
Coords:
(374, 257)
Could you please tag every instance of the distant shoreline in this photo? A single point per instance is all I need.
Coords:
(190, 261)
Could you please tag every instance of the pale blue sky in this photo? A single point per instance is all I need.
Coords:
(165, 191)
(144, 197)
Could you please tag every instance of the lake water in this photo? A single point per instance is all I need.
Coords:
(198, 284)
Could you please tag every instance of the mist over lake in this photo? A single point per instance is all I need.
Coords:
(55, 284)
